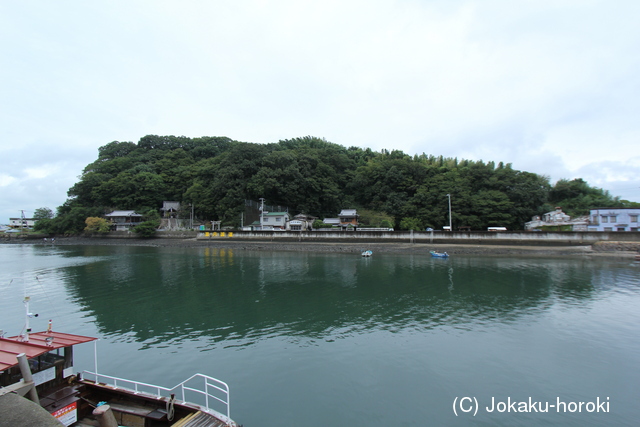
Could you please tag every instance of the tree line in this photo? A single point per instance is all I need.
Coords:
(316, 177)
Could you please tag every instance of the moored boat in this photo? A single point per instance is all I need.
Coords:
(437, 254)
(40, 367)
(367, 253)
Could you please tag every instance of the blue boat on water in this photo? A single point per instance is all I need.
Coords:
(437, 254)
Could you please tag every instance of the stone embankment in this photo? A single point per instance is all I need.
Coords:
(616, 247)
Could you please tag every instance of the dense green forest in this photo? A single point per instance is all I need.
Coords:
(316, 177)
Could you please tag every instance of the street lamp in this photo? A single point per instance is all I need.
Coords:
(449, 196)
(261, 212)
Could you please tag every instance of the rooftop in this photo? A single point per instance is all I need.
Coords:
(39, 343)
(123, 213)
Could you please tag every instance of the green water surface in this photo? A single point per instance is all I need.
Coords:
(307, 339)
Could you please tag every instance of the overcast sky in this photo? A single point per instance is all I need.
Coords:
(552, 87)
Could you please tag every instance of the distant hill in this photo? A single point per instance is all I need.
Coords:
(317, 177)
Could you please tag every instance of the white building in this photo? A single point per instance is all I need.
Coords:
(558, 221)
(275, 221)
(614, 219)
(21, 222)
(301, 222)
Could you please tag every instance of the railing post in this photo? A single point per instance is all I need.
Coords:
(206, 392)
(95, 358)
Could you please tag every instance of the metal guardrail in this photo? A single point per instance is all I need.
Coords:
(207, 387)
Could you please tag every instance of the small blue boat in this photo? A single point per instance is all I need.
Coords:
(437, 254)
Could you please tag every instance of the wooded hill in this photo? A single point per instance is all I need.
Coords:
(319, 178)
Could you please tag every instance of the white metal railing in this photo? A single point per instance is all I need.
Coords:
(208, 386)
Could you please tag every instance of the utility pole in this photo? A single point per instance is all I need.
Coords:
(450, 225)
(261, 211)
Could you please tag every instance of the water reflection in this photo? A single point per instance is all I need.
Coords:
(160, 295)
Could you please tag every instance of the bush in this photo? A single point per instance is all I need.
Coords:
(410, 224)
(96, 225)
(146, 228)
(374, 218)
(386, 224)
(319, 224)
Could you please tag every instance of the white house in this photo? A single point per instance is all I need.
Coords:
(301, 222)
(21, 222)
(614, 219)
(275, 221)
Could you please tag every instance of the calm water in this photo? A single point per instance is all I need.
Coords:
(309, 339)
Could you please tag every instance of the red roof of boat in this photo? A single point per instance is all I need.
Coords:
(38, 344)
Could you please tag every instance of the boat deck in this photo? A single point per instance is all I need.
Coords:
(131, 416)
(128, 411)
(199, 419)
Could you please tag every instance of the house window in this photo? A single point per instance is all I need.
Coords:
(595, 219)
(613, 218)
(608, 229)
(266, 220)
(620, 229)
(634, 218)
(605, 218)
(278, 219)
(634, 228)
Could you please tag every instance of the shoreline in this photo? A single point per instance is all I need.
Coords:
(339, 247)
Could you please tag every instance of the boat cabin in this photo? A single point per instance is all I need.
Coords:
(49, 358)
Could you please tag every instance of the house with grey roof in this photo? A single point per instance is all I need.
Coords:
(123, 220)
(170, 209)
(348, 217)
(272, 221)
(302, 222)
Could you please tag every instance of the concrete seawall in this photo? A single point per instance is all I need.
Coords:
(399, 241)
(435, 237)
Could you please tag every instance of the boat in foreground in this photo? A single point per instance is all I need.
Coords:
(437, 254)
(40, 367)
(367, 253)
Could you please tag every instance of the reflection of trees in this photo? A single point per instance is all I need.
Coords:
(165, 294)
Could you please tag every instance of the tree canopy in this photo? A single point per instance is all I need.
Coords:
(317, 177)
